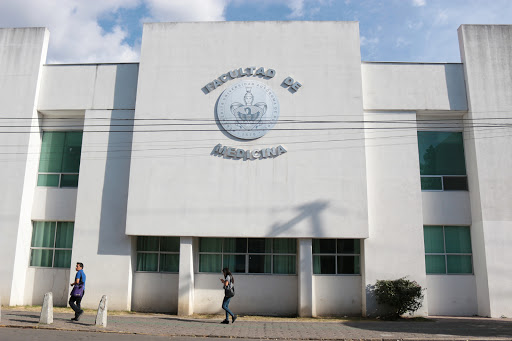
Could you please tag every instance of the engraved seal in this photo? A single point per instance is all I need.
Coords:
(248, 109)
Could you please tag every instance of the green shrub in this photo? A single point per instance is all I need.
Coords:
(401, 295)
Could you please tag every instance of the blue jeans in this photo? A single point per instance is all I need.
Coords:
(225, 304)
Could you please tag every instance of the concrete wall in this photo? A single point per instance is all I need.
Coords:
(337, 295)
(446, 208)
(486, 53)
(39, 281)
(99, 240)
(22, 53)
(452, 295)
(404, 86)
(94, 86)
(254, 294)
(54, 204)
(395, 247)
(155, 292)
(309, 191)
(98, 206)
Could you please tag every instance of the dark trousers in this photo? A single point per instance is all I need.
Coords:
(75, 307)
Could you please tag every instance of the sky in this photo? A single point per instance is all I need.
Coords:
(110, 31)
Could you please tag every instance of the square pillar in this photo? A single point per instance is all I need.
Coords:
(186, 277)
(305, 278)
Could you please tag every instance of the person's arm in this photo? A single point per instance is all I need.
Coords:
(77, 280)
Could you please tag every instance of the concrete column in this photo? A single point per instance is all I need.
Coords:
(486, 57)
(305, 277)
(186, 277)
(22, 55)
(100, 237)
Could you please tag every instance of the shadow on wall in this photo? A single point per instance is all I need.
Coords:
(309, 211)
(374, 309)
(112, 238)
(455, 85)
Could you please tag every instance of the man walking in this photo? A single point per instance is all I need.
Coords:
(78, 291)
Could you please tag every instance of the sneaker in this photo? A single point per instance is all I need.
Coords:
(74, 319)
(234, 318)
(225, 322)
(77, 318)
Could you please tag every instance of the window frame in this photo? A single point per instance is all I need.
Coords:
(446, 254)
(54, 248)
(336, 255)
(247, 254)
(60, 174)
(159, 252)
(443, 176)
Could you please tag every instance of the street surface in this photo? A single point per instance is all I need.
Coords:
(16, 334)
(25, 325)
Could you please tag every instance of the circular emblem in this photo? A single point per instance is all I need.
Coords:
(248, 109)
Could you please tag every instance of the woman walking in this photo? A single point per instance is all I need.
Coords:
(229, 291)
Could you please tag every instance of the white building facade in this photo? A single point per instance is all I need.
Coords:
(309, 173)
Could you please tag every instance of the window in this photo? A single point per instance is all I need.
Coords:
(158, 254)
(60, 159)
(51, 244)
(442, 163)
(336, 256)
(448, 250)
(248, 255)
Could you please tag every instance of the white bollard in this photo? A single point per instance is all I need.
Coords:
(101, 316)
(47, 309)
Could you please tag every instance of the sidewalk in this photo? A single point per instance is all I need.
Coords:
(438, 328)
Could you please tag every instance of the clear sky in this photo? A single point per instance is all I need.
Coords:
(90, 31)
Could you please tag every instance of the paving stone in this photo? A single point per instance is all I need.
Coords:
(439, 328)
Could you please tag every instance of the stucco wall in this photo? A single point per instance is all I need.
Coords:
(337, 295)
(42, 280)
(413, 86)
(486, 53)
(155, 292)
(22, 53)
(452, 295)
(255, 294)
(446, 208)
(94, 86)
(54, 204)
(395, 247)
(309, 191)
(99, 240)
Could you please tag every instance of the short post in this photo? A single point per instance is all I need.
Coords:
(47, 309)
(101, 316)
